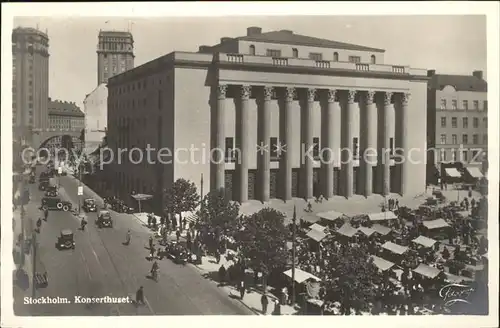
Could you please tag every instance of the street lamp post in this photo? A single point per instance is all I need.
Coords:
(33, 278)
(294, 223)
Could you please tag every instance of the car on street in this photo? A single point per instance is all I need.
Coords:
(54, 203)
(89, 205)
(51, 191)
(104, 219)
(177, 252)
(65, 240)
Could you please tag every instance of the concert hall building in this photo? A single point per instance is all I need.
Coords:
(290, 92)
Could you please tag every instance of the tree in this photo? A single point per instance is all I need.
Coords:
(182, 196)
(262, 241)
(218, 212)
(355, 276)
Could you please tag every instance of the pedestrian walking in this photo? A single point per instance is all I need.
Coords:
(242, 289)
(264, 301)
(178, 234)
(277, 308)
(222, 275)
(139, 296)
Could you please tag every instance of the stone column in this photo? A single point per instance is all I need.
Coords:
(287, 147)
(264, 155)
(347, 159)
(307, 142)
(220, 137)
(368, 159)
(386, 165)
(243, 155)
(405, 98)
(330, 136)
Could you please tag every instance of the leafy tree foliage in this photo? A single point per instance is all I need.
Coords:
(182, 196)
(354, 277)
(218, 212)
(262, 240)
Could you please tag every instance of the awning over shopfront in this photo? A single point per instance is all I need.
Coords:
(382, 264)
(436, 224)
(395, 248)
(424, 241)
(317, 227)
(427, 271)
(316, 235)
(382, 216)
(330, 216)
(347, 230)
(475, 172)
(301, 276)
(453, 172)
(380, 229)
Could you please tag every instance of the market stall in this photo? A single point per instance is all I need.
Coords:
(317, 227)
(382, 218)
(381, 264)
(394, 252)
(331, 218)
(382, 231)
(428, 272)
(368, 232)
(438, 229)
(424, 242)
(347, 231)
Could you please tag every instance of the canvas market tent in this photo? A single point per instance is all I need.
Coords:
(436, 224)
(380, 229)
(427, 271)
(367, 231)
(301, 276)
(395, 248)
(382, 216)
(330, 216)
(347, 230)
(424, 241)
(316, 235)
(382, 264)
(317, 227)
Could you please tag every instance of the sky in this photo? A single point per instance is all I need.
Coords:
(454, 44)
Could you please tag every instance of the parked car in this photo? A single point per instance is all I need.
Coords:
(104, 219)
(89, 205)
(177, 252)
(55, 204)
(51, 191)
(65, 240)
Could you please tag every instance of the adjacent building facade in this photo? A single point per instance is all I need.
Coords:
(253, 104)
(457, 113)
(96, 117)
(115, 54)
(30, 81)
(64, 116)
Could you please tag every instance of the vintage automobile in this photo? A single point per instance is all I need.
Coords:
(104, 219)
(65, 240)
(51, 191)
(89, 205)
(177, 252)
(55, 204)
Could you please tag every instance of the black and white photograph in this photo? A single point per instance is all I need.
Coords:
(342, 164)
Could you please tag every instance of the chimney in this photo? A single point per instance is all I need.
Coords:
(225, 39)
(431, 72)
(254, 30)
(478, 74)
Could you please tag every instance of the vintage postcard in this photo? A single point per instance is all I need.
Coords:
(333, 162)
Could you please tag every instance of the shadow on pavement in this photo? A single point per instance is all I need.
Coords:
(22, 279)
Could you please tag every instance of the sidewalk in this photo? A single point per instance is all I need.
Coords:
(17, 248)
(251, 300)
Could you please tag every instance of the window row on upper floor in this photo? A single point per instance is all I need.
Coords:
(464, 106)
(443, 140)
(465, 122)
(313, 55)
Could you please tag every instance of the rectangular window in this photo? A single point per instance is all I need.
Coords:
(485, 122)
(443, 139)
(454, 155)
(454, 139)
(443, 122)
(443, 103)
(273, 149)
(160, 104)
(316, 148)
(464, 156)
(465, 104)
(474, 156)
(485, 105)
(442, 154)
(475, 122)
(355, 149)
(315, 56)
(453, 122)
(354, 59)
(273, 53)
(454, 104)
(475, 139)
(485, 139)
(465, 122)
(476, 105)
(465, 139)
(229, 151)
